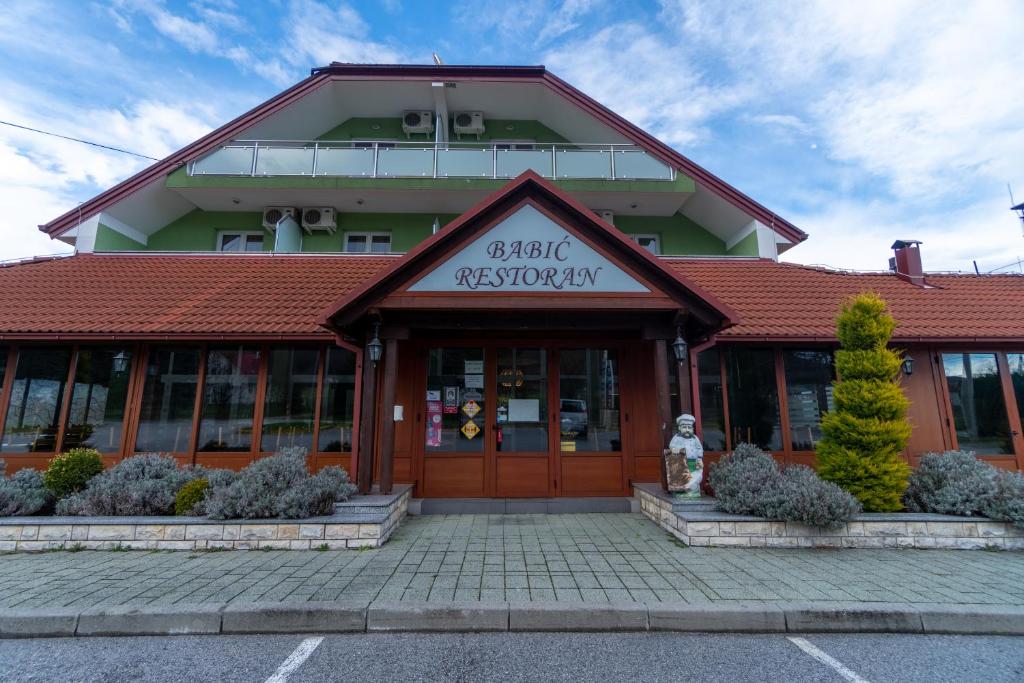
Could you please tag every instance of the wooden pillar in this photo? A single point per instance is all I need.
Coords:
(664, 402)
(686, 397)
(367, 420)
(387, 424)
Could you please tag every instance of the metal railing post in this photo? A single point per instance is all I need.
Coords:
(316, 153)
(255, 153)
(376, 151)
(494, 161)
(435, 159)
(613, 161)
(554, 163)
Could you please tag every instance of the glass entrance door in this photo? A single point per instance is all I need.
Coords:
(521, 434)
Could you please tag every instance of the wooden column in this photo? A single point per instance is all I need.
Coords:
(664, 402)
(367, 419)
(686, 397)
(387, 424)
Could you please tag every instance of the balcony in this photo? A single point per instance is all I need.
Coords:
(377, 159)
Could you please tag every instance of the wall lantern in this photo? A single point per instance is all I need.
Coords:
(375, 348)
(679, 345)
(120, 362)
(908, 365)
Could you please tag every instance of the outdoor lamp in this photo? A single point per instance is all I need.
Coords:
(375, 348)
(679, 345)
(120, 362)
(908, 365)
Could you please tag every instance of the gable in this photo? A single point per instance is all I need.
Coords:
(527, 252)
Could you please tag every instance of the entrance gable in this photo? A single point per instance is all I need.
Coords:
(528, 252)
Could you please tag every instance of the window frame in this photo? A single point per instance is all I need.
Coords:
(369, 235)
(244, 234)
(647, 235)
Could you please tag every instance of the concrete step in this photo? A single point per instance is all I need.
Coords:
(519, 506)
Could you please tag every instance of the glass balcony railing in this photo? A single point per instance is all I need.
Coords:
(376, 159)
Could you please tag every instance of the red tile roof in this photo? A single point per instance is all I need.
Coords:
(276, 295)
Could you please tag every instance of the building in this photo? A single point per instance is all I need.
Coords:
(473, 279)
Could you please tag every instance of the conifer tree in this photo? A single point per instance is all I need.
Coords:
(867, 430)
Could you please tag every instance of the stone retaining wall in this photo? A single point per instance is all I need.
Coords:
(363, 521)
(697, 524)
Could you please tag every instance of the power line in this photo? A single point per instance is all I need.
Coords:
(84, 142)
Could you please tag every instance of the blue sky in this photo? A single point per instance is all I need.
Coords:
(859, 122)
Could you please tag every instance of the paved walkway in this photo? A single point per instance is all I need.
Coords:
(514, 558)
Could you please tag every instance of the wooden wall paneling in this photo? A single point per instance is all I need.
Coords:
(387, 420)
(587, 474)
(367, 418)
(929, 432)
(664, 402)
(644, 418)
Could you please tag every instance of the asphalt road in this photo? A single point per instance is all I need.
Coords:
(508, 657)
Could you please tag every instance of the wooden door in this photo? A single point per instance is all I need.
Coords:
(523, 422)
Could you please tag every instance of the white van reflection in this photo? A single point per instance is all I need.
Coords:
(573, 416)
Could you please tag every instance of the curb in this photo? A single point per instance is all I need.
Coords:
(425, 617)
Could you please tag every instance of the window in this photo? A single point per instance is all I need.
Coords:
(1014, 360)
(338, 402)
(168, 400)
(37, 394)
(753, 398)
(229, 396)
(522, 400)
(240, 241)
(514, 145)
(976, 397)
(368, 242)
(291, 399)
(3, 365)
(651, 243)
(808, 394)
(588, 389)
(712, 409)
(98, 396)
(455, 407)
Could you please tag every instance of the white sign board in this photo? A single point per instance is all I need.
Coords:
(527, 252)
(523, 410)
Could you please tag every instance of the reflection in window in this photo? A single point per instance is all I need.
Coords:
(808, 394)
(338, 402)
(1016, 362)
(3, 365)
(976, 396)
(290, 400)
(455, 409)
(36, 396)
(522, 400)
(712, 409)
(753, 398)
(168, 400)
(98, 397)
(589, 400)
(229, 394)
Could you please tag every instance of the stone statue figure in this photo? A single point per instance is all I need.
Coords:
(684, 459)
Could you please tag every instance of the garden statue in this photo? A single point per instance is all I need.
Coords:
(684, 459)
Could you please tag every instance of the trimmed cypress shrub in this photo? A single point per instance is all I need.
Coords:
(189, 499)
(950, 483)
(69, 472)
(865, 434)
(23, 493)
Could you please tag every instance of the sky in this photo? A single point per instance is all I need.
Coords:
(860, 122)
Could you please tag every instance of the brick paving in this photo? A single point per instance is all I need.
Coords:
(589, 558)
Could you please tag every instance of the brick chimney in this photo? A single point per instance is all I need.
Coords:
(907, 262)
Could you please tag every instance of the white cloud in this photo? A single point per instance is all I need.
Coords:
(315, 32)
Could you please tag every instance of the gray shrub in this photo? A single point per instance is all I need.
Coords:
(139, 485)
(1005, 501)
(749, 482)
(277, 486)
(23, 493)
(950, 483)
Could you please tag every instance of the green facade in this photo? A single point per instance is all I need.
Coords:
(391, 129)
(745, 247)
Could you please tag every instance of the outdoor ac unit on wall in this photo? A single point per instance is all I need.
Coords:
(606, 215)
(273, 214)
(418, 122)
(469, 123)
(319, 218)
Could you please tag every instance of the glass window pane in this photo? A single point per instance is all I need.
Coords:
(589, 400)
(455, 409)
(338, 403)
(522, 400)
(96, 417)
(291, 399)
(355, 243)
(712, 408)
(230, 242)
(1016, 361)
(976, 396)
(3, 365)
(808, 394)
(229, 394)
(36, 397)
(168, 400)
(753, 398)
(381, 244)
(254, 242)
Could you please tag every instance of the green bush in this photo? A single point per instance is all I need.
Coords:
(137, 486)
(866, 433)
(69, 472)
(23, 493)
(191, 496)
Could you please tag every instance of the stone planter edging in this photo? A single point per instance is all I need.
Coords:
(361, 522)
(697, 524)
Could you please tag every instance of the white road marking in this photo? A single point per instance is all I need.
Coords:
(295, 660)
(840, 668)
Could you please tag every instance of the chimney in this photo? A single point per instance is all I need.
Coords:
(907, 262)
(287, 236)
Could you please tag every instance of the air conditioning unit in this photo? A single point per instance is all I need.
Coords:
(469, 122)
(319, 218)
(273, 214)
(418, 122)
(606, 215)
